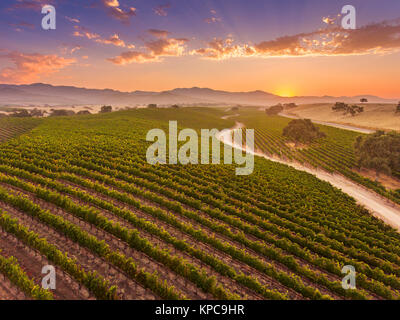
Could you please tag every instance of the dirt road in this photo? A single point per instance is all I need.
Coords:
(376, 204)
(230, 116)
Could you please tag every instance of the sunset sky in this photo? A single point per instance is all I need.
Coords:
(286, 47)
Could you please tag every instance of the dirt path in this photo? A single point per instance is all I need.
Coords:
(230, 116)
(379, 206)
(8, 291)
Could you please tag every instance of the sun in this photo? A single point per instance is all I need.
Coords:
(285, 92)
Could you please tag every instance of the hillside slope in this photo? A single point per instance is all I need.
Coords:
(375, 116)
(84, 185)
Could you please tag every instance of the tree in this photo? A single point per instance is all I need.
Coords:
(61, 113)
(398, 108)
(21, 114)
(274, 110)
(36, 113)
(152, 106)
(339, 106)
(363, 100)
(175, 106)
(379, 151)
(106, 109)
(347, 109)
(359, 109)
(353, 110)
(302, 130)
(83, 112)
(290, 105)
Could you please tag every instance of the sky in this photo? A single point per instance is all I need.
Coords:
(286, 47)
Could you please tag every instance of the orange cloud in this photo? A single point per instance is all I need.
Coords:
(70, 49)
(116, 41)
(132, 56)
(29, 67)
(85, 33)
(329, 20)
(114, 10)
(375, 38)
(111, 3)
(167, 47)
(161, 47)
(224, 49)
(113, 40)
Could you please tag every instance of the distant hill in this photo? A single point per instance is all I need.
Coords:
(45, 94)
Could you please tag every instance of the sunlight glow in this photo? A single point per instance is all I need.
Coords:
(285, 92)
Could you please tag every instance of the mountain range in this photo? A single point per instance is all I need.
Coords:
(39, 94)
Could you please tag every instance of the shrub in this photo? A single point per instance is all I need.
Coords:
(274, 110)
(83, 112)
(21, 114)
(106, 109)
(379, 151)
(61, 112)
(36, 113)
(290, 105)
(347, 109)
(302, 130)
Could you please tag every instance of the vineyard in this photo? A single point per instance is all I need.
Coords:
(335, 153)
(78, 194)
(11, 127)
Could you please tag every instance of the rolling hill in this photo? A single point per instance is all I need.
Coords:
(45, 94)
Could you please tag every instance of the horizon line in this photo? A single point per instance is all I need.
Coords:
(197, 87)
